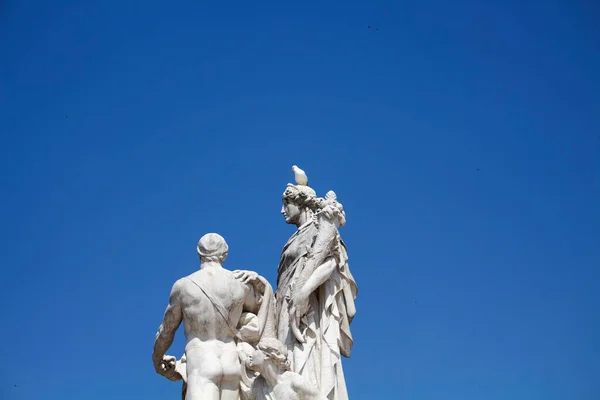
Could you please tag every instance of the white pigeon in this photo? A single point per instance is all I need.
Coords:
(300, 176)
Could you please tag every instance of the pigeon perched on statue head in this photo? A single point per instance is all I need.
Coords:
(300, 176)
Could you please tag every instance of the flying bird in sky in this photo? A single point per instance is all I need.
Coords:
(300, 176)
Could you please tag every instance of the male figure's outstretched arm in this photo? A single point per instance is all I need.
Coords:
(166, 333)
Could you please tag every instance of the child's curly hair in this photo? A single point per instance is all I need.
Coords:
(276, 351)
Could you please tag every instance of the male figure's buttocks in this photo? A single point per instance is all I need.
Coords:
(211, 352)
(210, 303)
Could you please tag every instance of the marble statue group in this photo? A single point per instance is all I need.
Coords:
(243, 340)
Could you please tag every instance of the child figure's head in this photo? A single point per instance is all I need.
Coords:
(270, 351)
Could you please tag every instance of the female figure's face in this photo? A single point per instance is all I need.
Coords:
(291, 212)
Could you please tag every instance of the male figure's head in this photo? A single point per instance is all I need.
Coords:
(212, 248)
(270, 352)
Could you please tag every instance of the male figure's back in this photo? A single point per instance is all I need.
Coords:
(213, 369)
(208, 301)
(202, 319)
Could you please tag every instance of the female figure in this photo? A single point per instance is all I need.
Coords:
(315, 291)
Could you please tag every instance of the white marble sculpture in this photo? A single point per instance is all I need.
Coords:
(211, 302)
(242, 341)
(276, 381)
(315, 290)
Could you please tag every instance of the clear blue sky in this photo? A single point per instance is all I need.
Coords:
(463, 139)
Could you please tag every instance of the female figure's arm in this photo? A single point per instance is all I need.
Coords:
(320, 275)
(319, 264)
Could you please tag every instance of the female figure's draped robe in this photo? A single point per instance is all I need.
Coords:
(326, 327)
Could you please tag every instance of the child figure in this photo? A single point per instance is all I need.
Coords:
(276, 381)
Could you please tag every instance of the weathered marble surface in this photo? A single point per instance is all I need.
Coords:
(211, 302)
(242, 341)
(315, 290)
(276, 381)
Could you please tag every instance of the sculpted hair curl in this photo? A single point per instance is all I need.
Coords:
(276, 351)
(303, 196)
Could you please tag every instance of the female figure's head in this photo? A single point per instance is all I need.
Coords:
(298, 204)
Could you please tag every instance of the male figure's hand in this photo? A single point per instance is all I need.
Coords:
(245, 276)
(250, 278)
(167, 369)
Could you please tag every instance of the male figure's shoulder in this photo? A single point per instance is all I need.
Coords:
(223, 279)
(180, 287)
(214, 279)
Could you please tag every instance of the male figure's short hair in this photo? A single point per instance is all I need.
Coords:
(212, 248)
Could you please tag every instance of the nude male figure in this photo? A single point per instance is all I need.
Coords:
(209, 302)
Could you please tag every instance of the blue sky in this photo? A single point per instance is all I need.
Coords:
(463, 139)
